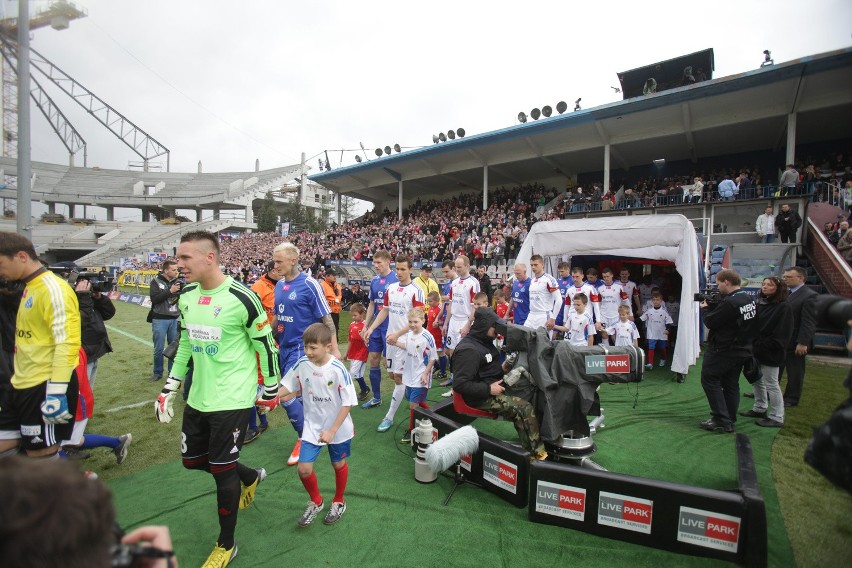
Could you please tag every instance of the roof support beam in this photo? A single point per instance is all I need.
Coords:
(605, 139)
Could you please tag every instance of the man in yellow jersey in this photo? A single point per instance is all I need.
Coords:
(424, 280)
(37, 412)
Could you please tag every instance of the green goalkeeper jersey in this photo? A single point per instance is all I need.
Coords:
(222, 329)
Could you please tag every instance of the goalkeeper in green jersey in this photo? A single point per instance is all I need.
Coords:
(223, 326)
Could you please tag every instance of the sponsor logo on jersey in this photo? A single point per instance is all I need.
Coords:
(329, 383)
(708, 529)
(261, 325)
(29, 302)
(286, 287)
(204, 300)
(27, 430)
(625, 512)
(204, 332)
(211, 349)
(560, 500)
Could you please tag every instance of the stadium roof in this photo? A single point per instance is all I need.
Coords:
(727, 115)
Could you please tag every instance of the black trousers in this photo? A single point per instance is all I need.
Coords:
(720, 379)
(795, 366)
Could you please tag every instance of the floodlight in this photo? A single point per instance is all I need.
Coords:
(460, 132)
(435, 139)
(357, 158)
(522, 117)
(660, 162)
(535, 113)
(397, 148)
(561, 107)
(451, 134)
(387, 150)
(546, 111)
(442, 137)
(378, 152)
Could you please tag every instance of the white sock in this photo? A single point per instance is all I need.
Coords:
(396, 400)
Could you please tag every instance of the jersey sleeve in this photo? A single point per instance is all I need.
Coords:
(290, 380)
(63, 319)
(318, 304)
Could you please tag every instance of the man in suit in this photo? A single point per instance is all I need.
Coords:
(802, 301)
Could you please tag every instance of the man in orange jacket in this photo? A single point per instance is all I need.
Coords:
(333, 295)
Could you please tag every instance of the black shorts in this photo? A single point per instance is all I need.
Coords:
(21, 418)
(218, 435)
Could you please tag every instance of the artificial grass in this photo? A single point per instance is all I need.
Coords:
(392, 520)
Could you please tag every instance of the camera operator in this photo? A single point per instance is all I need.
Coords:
(52, 515)
(732, 321)
(165, 288)
(478, 378)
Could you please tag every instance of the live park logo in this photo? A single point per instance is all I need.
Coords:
(709, 529)
(600, 364)
(625, 512)
(500, 472)
(560, 500)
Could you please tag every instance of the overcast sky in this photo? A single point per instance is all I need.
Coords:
(229, 82)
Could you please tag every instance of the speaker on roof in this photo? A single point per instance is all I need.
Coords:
(451, 134)
(357, 158)
(378, 151)
(460, 132)
(522, 117)
(435, 139)
(561, 107)
(397, 148)
(535, 113)
(546, 111)
(442, 137)
(387, 150)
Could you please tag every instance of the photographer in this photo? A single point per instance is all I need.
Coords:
(165, 288)
(731, 319)
(52, 515)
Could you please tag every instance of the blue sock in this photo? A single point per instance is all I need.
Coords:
(252, 425)
(98, 441)
(296, 413)
(376, 382)
(264, 421)
(362, 383)
(442, 364)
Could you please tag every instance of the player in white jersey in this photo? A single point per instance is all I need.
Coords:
(399, 298)
(624, 330)
(657, 322)
(420, 356)
(460, 308)
(629, 287)
(610, 295)
(328, 396)
(578, 327)
(545, 299)
(579, 286)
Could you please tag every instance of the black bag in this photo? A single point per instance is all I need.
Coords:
(751, 370)
(171, 349)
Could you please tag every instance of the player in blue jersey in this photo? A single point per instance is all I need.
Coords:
(564, 281)
(377, 341)
(299, 302)
(520, 294)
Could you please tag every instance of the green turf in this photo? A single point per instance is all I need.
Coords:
(394, 521)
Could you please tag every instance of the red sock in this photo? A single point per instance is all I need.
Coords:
(650, 356)
(424, 405)
(310, 483)
(411, 419)
(340, 477)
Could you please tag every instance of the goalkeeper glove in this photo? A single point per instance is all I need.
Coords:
(163, 407)
(55, 405)
(268, 399)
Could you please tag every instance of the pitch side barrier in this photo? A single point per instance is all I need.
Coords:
(728, 525)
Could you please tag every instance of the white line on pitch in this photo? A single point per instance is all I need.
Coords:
(126, 406)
